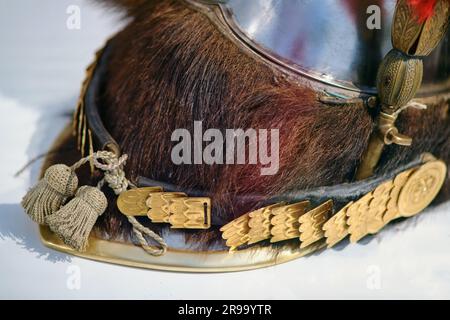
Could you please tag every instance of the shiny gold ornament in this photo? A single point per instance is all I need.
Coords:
(399, 78)
(285, 223)
(236, 232)
(392, 205)
(176, 208)
(336, 229)
(159, 205)
(419, 39)
(190, 213)
(133, 202)
(259, 223)
(422, 188)
(311, 223)
(365, 216)
(400, 74)
(408, 194)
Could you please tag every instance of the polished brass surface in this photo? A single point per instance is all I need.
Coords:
(190, 213)
(400, 75)
(407, 194)
(371, 157)
(311, 223)
(336, 228)
(259, 223)
(399, 78)
(176, 260)
(422, 188)
(285, 224)
(133, 202)
(389, 133)
(176, 208)
(386, 133)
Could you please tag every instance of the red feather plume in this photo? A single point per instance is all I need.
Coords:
(423, 9)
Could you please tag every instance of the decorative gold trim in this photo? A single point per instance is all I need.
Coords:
(176, 208)
(236, 232)
(285, 223)
(311, 223)
(158, 205)
(422, 188)
(392, 211)
(175, 260)
(190, 213)
(259, 223)
(365, 216)
(415, 38)
(336, 229)
(407, 194)
(133, 202)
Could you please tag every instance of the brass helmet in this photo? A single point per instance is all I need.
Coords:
(386, 61)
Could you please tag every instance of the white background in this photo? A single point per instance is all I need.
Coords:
(41, 67)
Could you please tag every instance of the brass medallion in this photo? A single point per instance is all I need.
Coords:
(422, 188)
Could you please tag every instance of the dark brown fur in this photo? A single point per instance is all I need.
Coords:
(171, 66)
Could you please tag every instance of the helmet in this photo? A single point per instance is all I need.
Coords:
(232, 135)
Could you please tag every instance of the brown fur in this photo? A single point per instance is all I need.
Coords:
(171, 66)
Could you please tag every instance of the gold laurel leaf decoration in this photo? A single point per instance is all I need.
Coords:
(159, 205)
(311, 223)
(434, 28)
(336, 229)
(356, 219)
(190, 213)
(133, 201)
(236, 232)
(365, 216)
(393, 212)
(285, 223)
(405, 29)
(259, 223)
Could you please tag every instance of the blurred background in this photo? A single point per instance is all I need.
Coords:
(43, 55)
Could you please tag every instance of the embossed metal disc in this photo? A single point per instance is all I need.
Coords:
(422, 188)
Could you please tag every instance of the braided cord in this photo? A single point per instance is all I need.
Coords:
(114, 176)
